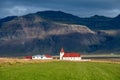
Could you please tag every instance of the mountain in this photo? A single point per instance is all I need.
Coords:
(48, 31)
(59, 16)
(6, 19)
(95, 22)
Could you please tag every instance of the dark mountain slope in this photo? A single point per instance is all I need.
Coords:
(58, 16)
(6, 19)
(48, 31)
(95, 22)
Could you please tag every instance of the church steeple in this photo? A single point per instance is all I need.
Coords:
(61, 53)
(62, 50)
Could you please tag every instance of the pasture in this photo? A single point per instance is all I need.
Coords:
(58, 70)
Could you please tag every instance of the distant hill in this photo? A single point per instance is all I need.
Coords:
(47, 31)
(95, 22)
(6, 19)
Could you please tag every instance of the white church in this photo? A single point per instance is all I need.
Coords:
(69, 55)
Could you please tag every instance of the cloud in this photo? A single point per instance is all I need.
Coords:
(78, 7)
(21, 10)
(16, 10)
(112, 12)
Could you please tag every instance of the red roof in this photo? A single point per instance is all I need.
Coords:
(28, 57)
(71, 55)
(48, 56)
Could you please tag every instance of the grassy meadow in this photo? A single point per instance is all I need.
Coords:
(59, 70)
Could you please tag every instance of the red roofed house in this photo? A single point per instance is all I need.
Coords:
(28, 57)
(46, 56)
(69, 56)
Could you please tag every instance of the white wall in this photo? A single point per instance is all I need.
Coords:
(40, 57)
(61, 55)
(46, 58)
(36, 57)
(71, 58)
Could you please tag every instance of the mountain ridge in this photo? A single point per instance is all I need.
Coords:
(95, 22)
(40, 33)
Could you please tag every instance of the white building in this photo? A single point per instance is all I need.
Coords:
(69, 56)
(46, 56)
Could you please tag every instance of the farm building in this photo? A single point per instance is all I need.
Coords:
(28, 57)
(69, 56)
(46, 56)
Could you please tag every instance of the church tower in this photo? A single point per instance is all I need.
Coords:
(61, 53)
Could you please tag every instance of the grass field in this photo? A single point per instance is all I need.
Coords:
(59, 70)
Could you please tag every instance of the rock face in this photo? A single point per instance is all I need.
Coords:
(33, 34)
(23, 28)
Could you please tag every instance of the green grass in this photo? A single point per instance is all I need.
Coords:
(61, 71)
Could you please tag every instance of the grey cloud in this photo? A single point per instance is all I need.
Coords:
(78, 7)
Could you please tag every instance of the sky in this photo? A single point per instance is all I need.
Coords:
(81, 8)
